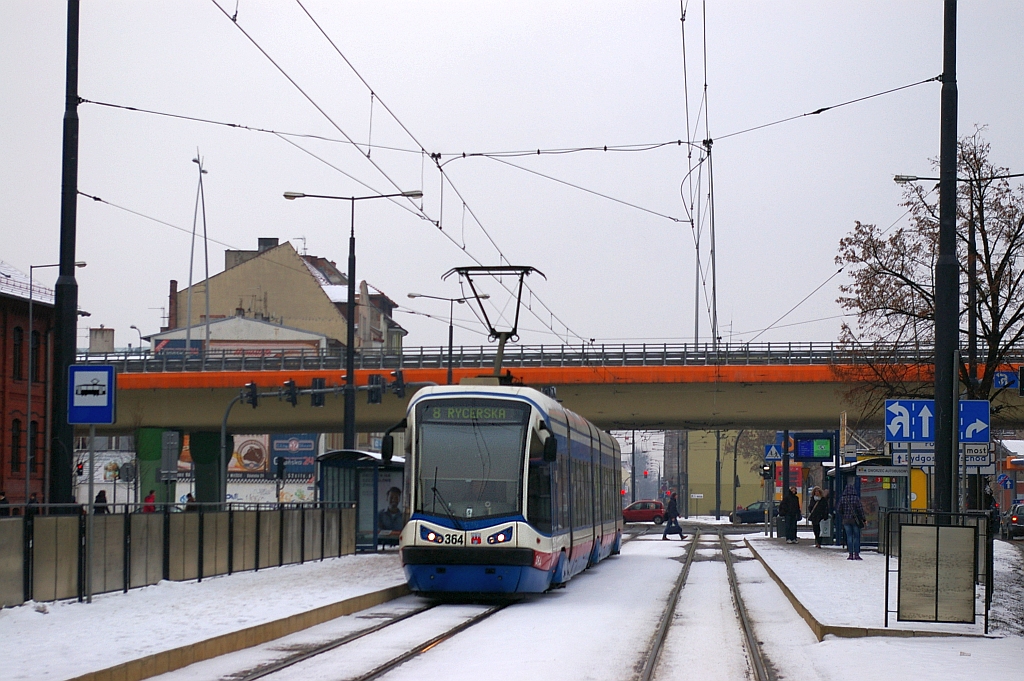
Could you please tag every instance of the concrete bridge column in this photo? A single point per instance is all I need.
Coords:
(205, 448)
(149, 448)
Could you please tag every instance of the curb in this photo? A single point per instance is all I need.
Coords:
(822, 630)
(176, 658)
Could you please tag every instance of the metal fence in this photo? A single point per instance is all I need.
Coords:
(478, 357)
(43, 557)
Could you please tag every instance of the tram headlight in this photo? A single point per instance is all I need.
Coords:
(428, 534)
(501, 537)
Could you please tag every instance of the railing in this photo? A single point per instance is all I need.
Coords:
(482, 357)
(43, 553)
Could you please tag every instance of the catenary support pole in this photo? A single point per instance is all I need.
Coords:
(349, 439)
(947, 273)
(66, 288)
(718, 474)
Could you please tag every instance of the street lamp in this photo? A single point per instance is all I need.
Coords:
(451, 318)
(140, 337)
(31, 374)
(350, 352)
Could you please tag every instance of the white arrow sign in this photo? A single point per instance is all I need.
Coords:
(976, 428)
(902, 420)
(926, 418)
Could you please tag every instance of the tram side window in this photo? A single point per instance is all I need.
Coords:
(538, 498)
(563, 492)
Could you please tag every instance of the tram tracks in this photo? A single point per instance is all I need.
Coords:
(755, 660)
(279, 668)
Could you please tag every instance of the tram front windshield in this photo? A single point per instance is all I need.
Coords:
(470, 457)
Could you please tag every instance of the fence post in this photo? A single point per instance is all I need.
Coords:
(127, 563)
(231, 539)
(202, 544)
(323, 530)
(81, 558)
(257, 562)
(280, 535)
(167, 542)
(302, 534)
(28, 536)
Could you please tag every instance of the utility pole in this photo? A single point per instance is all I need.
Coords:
(62, 446)
(632, 470)
(718, 474)
(947, 274)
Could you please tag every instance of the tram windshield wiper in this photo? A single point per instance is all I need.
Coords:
(444, 505)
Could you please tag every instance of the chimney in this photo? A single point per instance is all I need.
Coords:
(172, 306)
(266, 243)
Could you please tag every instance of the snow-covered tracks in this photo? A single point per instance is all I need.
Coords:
(705, 628)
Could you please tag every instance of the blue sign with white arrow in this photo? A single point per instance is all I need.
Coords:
(909, 420)
(1005, 379)
(772, 453)
(974, 421)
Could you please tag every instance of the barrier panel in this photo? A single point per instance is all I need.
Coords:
(43, 556)
(12, 562)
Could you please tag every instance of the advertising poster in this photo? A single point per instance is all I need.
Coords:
(299, 452)
(250, 456)
(390, 513)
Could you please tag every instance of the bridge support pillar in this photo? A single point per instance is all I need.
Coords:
(148, 447)
(205, 449)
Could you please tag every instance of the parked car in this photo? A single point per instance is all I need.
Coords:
(754, 513)
(646, 511)
(1013, 522)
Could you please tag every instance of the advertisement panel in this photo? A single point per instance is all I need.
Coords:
(390, 513)
(299, 452)
(251, 455)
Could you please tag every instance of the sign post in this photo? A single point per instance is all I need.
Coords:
(91, 392)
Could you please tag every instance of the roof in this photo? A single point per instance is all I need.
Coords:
(14, 283)
(241, 328)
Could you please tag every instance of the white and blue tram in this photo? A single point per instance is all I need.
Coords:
(509, 492)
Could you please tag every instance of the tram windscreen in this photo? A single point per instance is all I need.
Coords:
(470, 457)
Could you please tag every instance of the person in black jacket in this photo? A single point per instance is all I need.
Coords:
(820, 507)
(672, 518)
(789, 509)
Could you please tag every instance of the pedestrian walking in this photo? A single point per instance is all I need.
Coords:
(31, 508)
(820, 504)
(190, 503)
(672, 518)
(100, 503)
(851, 510)
(149, 503)
(5, 505)
(789, 509)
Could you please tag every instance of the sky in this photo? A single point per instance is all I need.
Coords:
(475, 77)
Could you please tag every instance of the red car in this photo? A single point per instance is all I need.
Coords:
(644, 512)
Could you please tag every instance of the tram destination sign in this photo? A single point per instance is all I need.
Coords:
(474, 411)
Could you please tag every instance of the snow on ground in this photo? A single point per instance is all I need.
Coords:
(1008, 600)
(66, 639)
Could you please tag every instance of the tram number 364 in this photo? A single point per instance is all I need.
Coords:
(454, 539)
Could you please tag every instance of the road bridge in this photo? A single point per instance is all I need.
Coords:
(684, 386)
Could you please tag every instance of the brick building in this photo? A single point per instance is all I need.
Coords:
(25, 360)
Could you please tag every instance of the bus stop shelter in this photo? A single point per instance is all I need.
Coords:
(375, 487)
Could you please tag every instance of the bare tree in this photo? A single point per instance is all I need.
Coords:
(892, 288)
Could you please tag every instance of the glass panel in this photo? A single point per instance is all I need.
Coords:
(471, 454)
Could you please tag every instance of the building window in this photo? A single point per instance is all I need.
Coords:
(15, 446)
(36, 362)
(19, 350)
(34, 433)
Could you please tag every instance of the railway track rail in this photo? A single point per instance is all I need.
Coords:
(759, 669)
(268, 670)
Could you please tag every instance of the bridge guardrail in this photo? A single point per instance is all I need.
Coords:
(482, 357)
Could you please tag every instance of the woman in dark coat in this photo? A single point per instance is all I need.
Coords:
(820, 507)
(851, 510)
(789, 509)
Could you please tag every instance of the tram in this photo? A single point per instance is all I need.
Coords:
(509, 492)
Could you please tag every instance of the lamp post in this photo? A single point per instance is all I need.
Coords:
(31, 374)
(451, 318)
(350, 351)
(140, 337)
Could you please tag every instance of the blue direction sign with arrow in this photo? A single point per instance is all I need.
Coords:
(974, 421)
(1005, 379)
(772, 453)
(909, 420)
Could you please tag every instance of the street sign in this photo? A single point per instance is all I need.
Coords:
(914, 421)
(1005, 379)
(974, 421)
(91, 390)
(772, 453)
(909, 420)
(697, 496)
(1005, 481)
(923, 455)
(882, 471)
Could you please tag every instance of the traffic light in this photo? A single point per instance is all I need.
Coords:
(645, 474)
(252, 394)
(291, 393)
(317, 399)
(80, 469)
(399, 385)
(375, 392)
(768, 471)
(280, 468)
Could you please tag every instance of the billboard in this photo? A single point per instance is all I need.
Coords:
(299, 452)
(251, 455)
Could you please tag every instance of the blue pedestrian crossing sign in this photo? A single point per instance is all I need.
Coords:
(974, 421)
(910, 420)
(772, 453)
(91, 390)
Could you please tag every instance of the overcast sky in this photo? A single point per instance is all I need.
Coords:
(489, 77)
